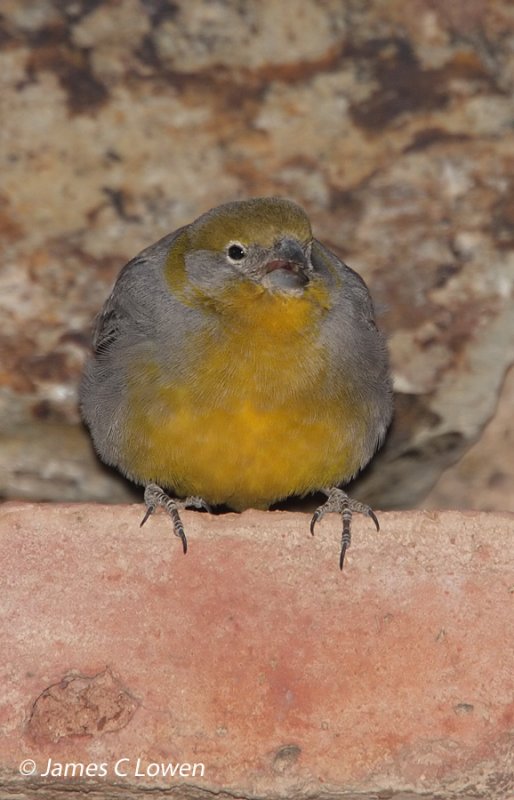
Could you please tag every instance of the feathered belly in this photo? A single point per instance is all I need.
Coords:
(244, 455)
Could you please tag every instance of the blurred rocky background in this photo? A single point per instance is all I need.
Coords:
(390, 121)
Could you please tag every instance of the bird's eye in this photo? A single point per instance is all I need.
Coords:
(236, 252)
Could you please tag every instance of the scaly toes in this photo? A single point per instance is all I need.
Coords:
(178, 527)
(338, 502)
(195, 502)
(155, 497)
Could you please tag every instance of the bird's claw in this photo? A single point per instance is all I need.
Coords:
(155, 497)
(338, 502)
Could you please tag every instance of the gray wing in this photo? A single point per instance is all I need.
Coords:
(130, 302)
(126, 326)
(359, 352)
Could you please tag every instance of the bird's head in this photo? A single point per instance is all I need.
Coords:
(264, 242)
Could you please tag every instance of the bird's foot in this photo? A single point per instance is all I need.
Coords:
(155, 497)
(338, 502)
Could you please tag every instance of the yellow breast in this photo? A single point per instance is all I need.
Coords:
(258, 418)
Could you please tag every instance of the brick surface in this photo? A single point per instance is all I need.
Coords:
(252, 659)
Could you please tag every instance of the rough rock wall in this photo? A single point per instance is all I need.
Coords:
(390, 121)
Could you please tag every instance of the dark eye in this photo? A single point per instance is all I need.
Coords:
(236, 252)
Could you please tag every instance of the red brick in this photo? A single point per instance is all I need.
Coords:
(255, 656)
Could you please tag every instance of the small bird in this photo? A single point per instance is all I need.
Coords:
(237, 362)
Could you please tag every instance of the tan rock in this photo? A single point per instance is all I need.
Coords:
(391, 122)
(484, 477)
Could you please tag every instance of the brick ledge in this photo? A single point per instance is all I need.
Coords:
(254, 656)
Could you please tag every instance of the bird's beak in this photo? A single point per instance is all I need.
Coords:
(288, 267)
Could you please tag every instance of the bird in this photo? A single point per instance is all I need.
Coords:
(236, 363)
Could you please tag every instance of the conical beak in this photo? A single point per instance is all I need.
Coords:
(288, 268)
